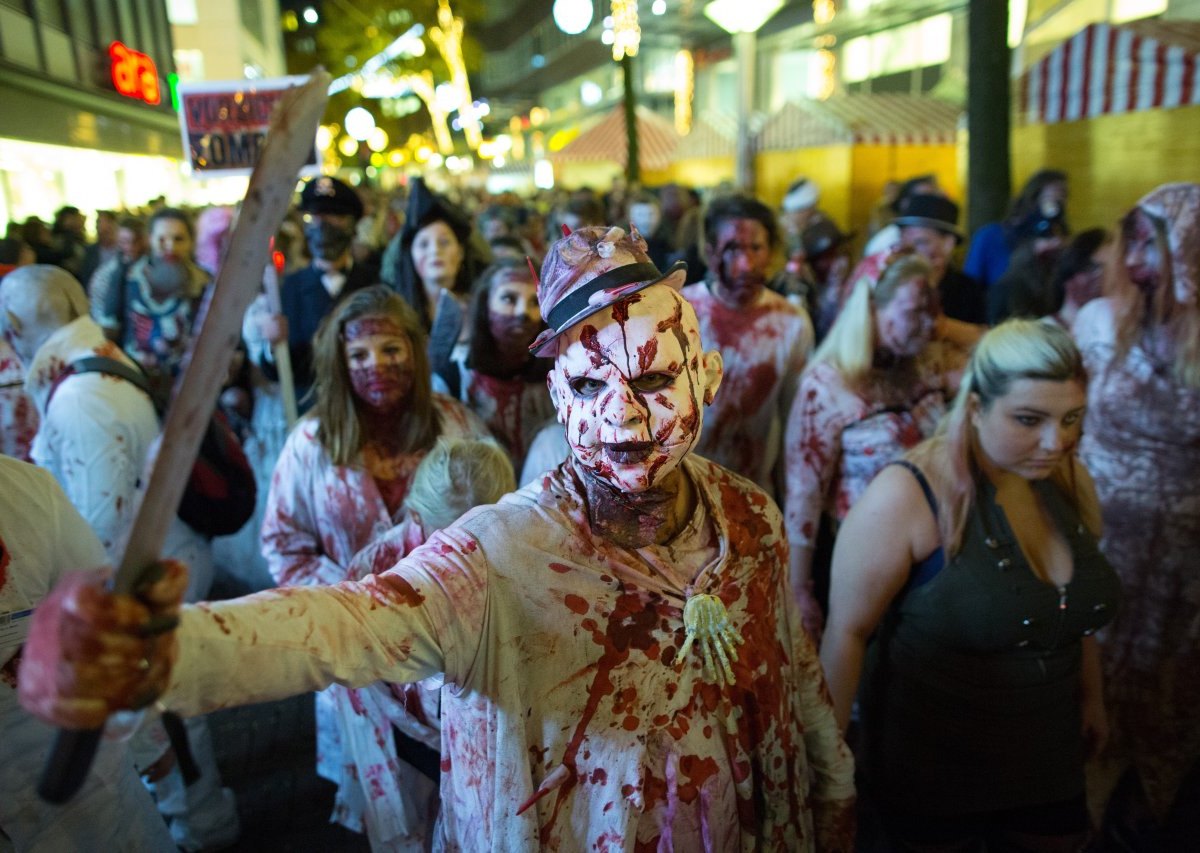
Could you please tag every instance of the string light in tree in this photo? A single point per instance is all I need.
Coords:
(823, 12)
(685, 89)
(626, 32)
(447, 36)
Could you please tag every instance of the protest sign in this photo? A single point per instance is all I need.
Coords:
(224, 124)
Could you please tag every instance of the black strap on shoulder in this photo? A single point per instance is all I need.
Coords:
(112, 367)
(926, 489)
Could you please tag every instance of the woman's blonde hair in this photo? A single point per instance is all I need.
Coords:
(336, 406)
(850, 344)
(1136, 309)
(1014, 350)
(457, 475)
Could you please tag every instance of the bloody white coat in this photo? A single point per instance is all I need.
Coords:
(564, 693)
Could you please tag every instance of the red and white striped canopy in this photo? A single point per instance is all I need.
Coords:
(861, 119)
(1109, 69)
(606, 141)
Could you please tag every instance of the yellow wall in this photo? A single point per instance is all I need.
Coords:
(599, 175)
(701, 172)
(851, 178)
(829, 166)
(1112, 161)
(875, 165)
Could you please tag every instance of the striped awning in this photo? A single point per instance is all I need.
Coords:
(606, 142)
(861, 119)
(1110, 69)
(714, 135)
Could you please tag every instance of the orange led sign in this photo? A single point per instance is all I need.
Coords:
(134, 74)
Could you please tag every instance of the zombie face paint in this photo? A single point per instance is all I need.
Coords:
(905, 324)
(513, 316)
(740, 259)
(379, 360)
(437, 254)
(1030, 429)
(1143, 257)
(630, 384)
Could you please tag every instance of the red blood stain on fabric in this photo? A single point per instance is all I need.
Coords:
(560, 568)
(599, 776)
(5, 559)
(698, 770)
(630, 626)
(401, 590)
(576, 604)
(220, 620)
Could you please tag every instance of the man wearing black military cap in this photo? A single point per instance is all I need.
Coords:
(331, 209)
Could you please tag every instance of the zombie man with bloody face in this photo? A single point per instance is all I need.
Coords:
(763, 339)
(344, 472)
(624, 668)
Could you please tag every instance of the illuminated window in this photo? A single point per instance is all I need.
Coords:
(916, 45)
(189, 64)
(182, 11)
(1129, 10)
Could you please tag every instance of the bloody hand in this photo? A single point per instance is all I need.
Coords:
(91, 652)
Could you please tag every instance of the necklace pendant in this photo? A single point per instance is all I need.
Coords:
(707, 624)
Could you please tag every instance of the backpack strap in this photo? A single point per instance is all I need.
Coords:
(110, 366)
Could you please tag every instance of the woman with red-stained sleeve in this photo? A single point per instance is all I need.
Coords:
(345, 470)
(875, 388)
(1141, 443)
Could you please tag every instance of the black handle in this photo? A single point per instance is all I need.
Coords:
(68, 764)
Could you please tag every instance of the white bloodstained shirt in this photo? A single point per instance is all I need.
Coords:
(569, 719)
(764, 348)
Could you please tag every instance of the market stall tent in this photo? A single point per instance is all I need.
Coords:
(851, 145)
(600, 152)
(1117, 107)
(705, 156)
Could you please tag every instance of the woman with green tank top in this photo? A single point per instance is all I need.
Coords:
(967, 584)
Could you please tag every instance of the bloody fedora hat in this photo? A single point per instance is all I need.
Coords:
(589, 270)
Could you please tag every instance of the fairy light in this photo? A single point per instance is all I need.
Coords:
(423, 87)
(626, 33)
(826, 73)
(824, 11)
(685, 89)
(447, 37)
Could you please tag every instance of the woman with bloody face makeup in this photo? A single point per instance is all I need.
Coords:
(345, 470)
(497, 377)
(967, 584)
(876, 387)
(1141, 345)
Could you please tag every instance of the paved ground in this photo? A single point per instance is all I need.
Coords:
(267, 756)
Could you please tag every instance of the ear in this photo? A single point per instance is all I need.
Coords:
(13, 322)
(552, 385)
(714, 372)
(974, 409)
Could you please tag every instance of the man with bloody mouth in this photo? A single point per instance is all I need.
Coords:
(763, 339)
(623, 667)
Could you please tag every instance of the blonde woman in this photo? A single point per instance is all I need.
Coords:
(391, 733)
(875, 388)
(967, 582)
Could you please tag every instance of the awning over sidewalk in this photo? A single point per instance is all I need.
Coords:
(606, 141)
(863, 120)
(1105, 70)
